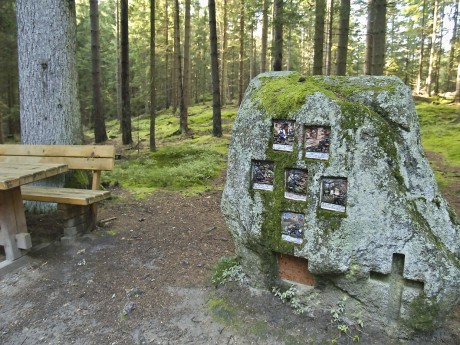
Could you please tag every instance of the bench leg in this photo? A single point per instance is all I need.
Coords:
(78, 220)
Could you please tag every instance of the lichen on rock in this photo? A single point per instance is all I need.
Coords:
(394, 210)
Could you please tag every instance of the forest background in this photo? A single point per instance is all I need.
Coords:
(421, 46)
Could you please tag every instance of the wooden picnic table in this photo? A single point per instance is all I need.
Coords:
(13, 227)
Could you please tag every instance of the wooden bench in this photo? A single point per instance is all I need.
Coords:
(78, 206)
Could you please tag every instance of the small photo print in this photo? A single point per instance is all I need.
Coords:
(283, 135)
(317, 142)
(292, 227)
(296, 184)
(263, 174)
(334, 194)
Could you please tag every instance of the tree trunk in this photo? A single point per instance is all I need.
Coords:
(422, 52)
(168, 86)
(241, 59)
(320, 10)
(49, 107)
(369, 36)
(48, 90)
(434, 28)
(100, 134)
(153, 100)
(439, 51)
(453, 40)
(118, 62)
(379, 34)
(457, 86)
(224, 83)
(184, 90)
(216, 114)
(330, 17)
(278, 22)
(264, 38)
(176, 61)
(125, 95)
(344, 28)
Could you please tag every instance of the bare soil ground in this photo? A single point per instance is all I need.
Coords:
(143, 278)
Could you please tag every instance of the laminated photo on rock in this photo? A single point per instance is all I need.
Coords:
(334, 194)
(283, 135)
(317, 142)
(296, 184)
(262, 175)
(292, 227)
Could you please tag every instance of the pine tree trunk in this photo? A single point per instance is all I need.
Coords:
(185, 89)
(224, 83)
(49, 107)
(125, 94)
(278, 19)
(344, 28)
(241, 55)
(48, 90)
(429, 78)
(264, 38)
(457, 85)
(453, 40)
(100, 134)
(329, 21)
(422, 52)
(176, 77)
(118, 62)
(369, 37)
(439, 50)
(320, 10)
(379, 34)
(153, 100)
(216, 114)
(168, 86)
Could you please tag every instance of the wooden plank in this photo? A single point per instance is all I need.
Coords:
(13, 175)
(71, 196)
(94, 151)
(73, 163)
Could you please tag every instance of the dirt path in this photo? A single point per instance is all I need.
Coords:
(143, 278)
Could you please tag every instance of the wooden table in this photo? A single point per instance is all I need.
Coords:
(13, 227)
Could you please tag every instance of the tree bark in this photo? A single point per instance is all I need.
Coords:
(330, 18)
(434, 28)
(264, 38)
(185, 89)
(216, 113)
(379, 35)
(422, 52)
(278, 22)
(100, 134)
(177, 60)
(457, 86)
(48, 90)
(125, 94)
(344, 28)
(153, 101)
(49, 107)
(224, 87)
(453, 41)
(439, 50)
(369, 37)
(320, 10)
(168, 86)
(241, 59)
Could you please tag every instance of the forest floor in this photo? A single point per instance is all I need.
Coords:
(144, 278)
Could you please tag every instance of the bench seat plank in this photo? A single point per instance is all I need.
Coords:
(70, 196)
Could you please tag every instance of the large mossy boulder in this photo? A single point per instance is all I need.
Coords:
(367, 214)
